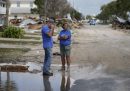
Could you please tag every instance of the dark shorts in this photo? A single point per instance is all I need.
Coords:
(65, 50)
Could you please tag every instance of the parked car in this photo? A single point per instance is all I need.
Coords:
(92, 22)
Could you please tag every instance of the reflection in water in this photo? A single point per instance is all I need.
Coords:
(47, 84)
(0, 82)
(65, 82)
(8, 85)
(20, 81)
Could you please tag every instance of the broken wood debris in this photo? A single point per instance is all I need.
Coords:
(13, 68)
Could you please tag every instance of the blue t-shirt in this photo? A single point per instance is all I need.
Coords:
(47, 40)
(67, 41)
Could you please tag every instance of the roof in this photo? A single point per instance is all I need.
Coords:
(2, 1)
(22, 0)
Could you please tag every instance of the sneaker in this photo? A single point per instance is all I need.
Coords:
(47, 74)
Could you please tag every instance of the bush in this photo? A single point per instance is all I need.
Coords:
(13, 32)
(2, 28)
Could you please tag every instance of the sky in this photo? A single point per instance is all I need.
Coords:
(88, 7)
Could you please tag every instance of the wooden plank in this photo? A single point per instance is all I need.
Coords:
(13, 68)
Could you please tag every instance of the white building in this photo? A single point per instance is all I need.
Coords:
(21, 8)
(2, 7)
(2, 11)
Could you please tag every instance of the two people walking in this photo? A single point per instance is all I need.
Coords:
(65, 48)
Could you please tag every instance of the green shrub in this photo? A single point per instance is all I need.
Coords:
(13, 32)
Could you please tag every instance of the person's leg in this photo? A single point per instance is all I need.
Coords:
(48, 59)
(62, 49)
(68, 60)
(63, 61)
(67, 53)
(45, 60)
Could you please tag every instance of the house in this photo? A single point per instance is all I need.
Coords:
(2, 11)
(2, 7)
(21, 8)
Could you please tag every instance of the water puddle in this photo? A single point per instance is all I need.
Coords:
(33, 80)
(88, 78)
(79, 78)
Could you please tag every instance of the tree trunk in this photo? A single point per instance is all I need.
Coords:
(7, 13)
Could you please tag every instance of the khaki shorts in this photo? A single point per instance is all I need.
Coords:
(65, 50)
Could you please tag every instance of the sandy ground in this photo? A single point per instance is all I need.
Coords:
(93, 45)
(107, 51)
(102, 45)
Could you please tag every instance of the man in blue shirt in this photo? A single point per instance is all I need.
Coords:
(47, 33)
(65, 48)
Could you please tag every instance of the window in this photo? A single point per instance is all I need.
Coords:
(31, 4)
(3, 5)
(18, 4)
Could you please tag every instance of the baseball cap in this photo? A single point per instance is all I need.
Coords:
(50, 21)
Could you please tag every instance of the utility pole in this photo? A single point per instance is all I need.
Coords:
(7, 12)
(45, 9)
(73, 10)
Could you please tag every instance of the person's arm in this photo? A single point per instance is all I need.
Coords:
(59, 37)
(69, 35)
(62, 38)
(51, 32)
